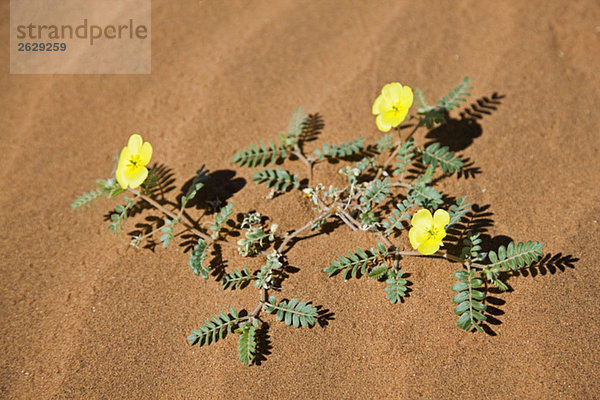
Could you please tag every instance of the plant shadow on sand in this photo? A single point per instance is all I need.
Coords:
(549, 263)
(220, 186)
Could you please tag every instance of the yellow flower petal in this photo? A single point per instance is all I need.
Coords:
(416, 237)
(134, 144)
(390, 118)
(380, 105)
(441, 218)
(406, 97)
(392, 92)
(381, 125)
(134, 176)
(429, 247)
(399, 117)
(145, 153)
(124, 157)
(422, 219)
(438, 235)
(121, 177)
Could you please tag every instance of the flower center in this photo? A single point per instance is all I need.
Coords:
(432, 232)
(135, 161)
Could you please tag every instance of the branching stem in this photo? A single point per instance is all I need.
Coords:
(295, 233)
(309, 163)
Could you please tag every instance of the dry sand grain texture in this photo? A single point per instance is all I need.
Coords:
(83, 316)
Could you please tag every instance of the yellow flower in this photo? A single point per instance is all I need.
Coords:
(392, 105)
(131, 170)
(427, 232)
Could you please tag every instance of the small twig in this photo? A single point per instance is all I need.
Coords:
(400, 184)
(263, 300)
(343, 216)
(171, 214)
(387, 242)
(297, 151)
(354, 221)
(295, 233)
(439, 254)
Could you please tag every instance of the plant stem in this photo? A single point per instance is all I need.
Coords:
(309, 164)
(348, 220)
(263, 300)
(207, 238)
(400, 184)
(385, 240)
(295, 233)
(439, 254)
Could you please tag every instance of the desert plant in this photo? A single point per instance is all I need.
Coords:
(389, 188)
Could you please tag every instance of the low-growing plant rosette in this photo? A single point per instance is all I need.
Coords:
(387, 188)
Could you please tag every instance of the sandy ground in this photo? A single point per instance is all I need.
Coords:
(84, 316)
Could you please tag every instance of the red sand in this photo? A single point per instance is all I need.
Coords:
(84, 316)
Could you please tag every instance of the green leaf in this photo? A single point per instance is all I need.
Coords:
(462, 307)
(378, 272)
(455, 95)
(295, 313)
(296, 126)
(376, 192)
(221, 218)
(340, 151)
(478, 306)
(214, 328)
(435, 155)
(399, 214)
(424, 196)
(457, 211)
(120, 215)
(396, 287)
(476, 294)
(464, 321)
(468, 299)
(247, 343)
(109, 188)
(430, 115)
(385, 143)
(278, 179)
(236, 279)
(460, 286)
(405, 156)
(461, 275)
(361, 259)
(260, 155)
(197, 257)
(460, 297)
(521, 255)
